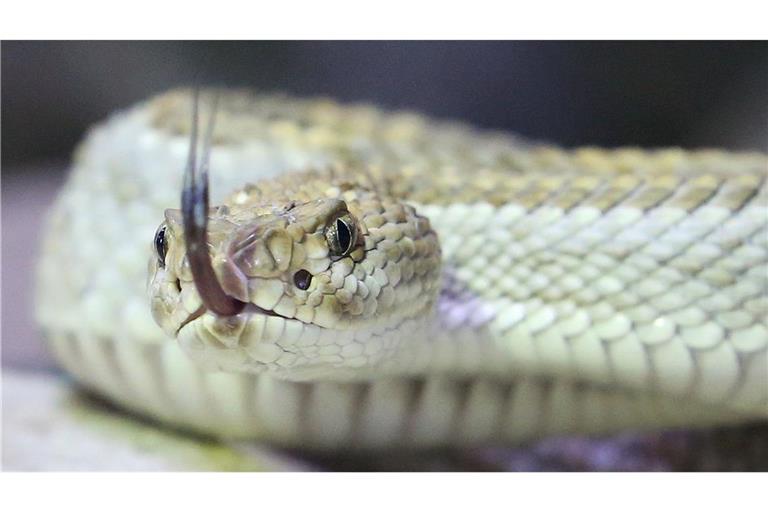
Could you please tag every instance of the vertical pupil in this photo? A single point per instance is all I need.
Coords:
(160, 245)
(345, 237)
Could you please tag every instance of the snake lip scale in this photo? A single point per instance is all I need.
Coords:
(406, 282)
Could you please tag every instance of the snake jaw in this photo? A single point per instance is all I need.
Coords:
(169, 303)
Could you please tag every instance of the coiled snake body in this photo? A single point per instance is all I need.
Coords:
(411, 282)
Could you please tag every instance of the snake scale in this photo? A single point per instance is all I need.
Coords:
(406, 282)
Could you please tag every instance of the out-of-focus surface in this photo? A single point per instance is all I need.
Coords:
(49, 425)
(689, 94)
(26, 193)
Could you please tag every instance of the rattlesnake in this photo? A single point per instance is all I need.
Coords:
(407, 282)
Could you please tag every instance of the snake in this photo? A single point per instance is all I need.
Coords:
(371, 279)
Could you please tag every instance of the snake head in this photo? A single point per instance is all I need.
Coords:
(302, 274)
(328, 279)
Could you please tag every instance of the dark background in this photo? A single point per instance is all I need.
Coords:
(607, 93)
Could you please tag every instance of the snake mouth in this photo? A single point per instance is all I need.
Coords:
(249, 309)
(192, 317)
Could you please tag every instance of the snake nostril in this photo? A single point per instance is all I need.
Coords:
(302, 279)
(178, 285)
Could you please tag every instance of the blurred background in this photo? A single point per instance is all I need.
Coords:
(573, 93)
(689, 94)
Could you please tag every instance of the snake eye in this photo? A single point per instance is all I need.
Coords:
(302, 279)
(161, 245)
(341, 235)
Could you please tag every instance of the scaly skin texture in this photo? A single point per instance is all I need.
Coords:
(576, 291)
(388, 278)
